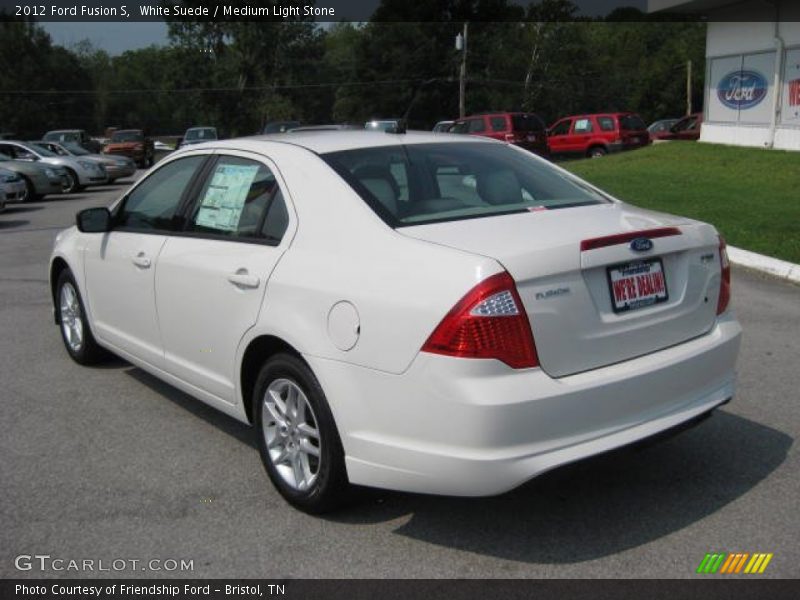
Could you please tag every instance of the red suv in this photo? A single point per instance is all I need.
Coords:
(597, 135)
(525, 130)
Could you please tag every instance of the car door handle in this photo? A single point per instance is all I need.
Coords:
(243, 279)
(141, 260)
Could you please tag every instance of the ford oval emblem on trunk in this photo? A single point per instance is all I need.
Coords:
(641, 244)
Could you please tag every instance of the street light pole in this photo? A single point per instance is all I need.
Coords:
(461, 44)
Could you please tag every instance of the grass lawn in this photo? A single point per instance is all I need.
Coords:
(751, 195)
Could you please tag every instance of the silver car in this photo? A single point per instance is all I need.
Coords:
(80, 172)
(13, 186)
(116, 167)
(40, 179)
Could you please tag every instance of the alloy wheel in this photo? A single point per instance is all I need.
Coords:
(71, 322)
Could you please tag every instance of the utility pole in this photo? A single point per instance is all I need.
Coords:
(688, 87)
(461, 44)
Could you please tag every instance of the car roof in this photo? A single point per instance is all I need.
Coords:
(321, 142)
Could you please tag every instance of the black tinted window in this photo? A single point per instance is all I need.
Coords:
(152, 204)
(476, 125)
(606, 123)
(561, 128)
(527, 122)
(498, 123)
(631, 122)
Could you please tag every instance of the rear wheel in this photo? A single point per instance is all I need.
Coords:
(297, 437)
(596, 152)
(75, 331)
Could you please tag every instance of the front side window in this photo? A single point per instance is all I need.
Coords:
(153, 204)
(452, 181)
(583, 126)
(239, 197)
(562, 127)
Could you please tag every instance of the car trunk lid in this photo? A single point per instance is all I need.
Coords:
(568, 264)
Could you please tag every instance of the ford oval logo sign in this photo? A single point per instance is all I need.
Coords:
(641, 244)
(741, 90)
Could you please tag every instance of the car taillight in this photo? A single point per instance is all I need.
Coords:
(725, 282)
(489, 322)
(511, 138)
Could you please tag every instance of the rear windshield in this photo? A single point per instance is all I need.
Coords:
(201, 134)
(127, 136)
(631, 122)
(527, 122)
(430, 183)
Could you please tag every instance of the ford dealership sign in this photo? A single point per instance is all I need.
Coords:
(741, 90)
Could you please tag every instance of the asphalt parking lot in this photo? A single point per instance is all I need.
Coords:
(109, 463)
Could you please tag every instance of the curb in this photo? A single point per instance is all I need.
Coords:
(766, 264)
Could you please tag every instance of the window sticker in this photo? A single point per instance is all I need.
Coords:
(223, 201)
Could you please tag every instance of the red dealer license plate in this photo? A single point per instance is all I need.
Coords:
(637, 284)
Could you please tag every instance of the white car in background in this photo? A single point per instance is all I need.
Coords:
(405, 311)
(79, 172)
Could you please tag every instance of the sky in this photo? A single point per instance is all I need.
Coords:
(117, 37)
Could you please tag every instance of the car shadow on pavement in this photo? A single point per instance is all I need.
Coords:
(596, 507)
(11, 223)
(12, 209)
(218, 419)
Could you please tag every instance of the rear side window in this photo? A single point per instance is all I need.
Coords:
(606, 123)
(497, 123)
(236, 199)
(153, 204)
(631, 122)
(476, 126)
(452, 181)
(527, 122)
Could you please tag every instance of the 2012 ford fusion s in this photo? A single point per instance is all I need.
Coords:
(410, 311)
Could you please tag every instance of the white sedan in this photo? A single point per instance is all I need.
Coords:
(420, 312)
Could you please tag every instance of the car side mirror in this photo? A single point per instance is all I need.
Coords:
(94, 220)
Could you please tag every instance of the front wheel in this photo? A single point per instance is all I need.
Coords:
(72, 184)
(75, 332)
(297, 437)
(597, 152)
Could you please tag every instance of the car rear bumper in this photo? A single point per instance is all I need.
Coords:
(474, 428)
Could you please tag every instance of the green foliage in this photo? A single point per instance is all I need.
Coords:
(749, 194)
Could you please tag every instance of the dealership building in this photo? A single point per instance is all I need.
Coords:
(752, 83)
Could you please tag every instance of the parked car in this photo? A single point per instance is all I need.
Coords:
(77, 136)
(116, 167)
(328, 127)
(687, 129)
(443, 126)
(134, 144)
(280, 127)
(13, 184)
(441, 338)
(198, 135)
(658, 129)
(382, 125)
(79, 172)
(525, 130)
(597, 134)
(41, 179)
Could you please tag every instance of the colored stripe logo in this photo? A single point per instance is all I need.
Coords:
(734, 562)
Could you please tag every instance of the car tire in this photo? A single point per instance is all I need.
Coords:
(30, 191)
(596, 152)
(297, 436)
(72, 186)
(73, 324)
